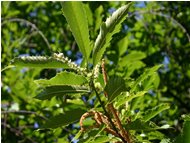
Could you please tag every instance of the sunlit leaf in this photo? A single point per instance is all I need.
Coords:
(39, 62)
(133, 56)
(101, 139)
(145, 75)
(151, 113)
(76, 17)
(123, 45)
(126, 97)
(63, 78)
(107, 30)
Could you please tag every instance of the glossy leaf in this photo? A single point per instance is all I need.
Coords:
(114, 87)
(60, 90)
(64, 119)
(149, 114)
(76, 17)
(63, 78)
(107, 30)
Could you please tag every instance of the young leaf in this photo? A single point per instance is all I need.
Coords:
(125, 97)
(149, 114)
(75, 15)
(101, 139)
(63, 78)
(133, 56)
(123, 45)
(107, 30)
(64, 119)
(77, 136)
(145, 75)
(98, 17)
(39, 62)
(114, 87)
(60, 90)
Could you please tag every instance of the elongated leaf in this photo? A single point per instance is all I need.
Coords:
(75, 15)
(114, 87)
(39, 62)
(100, 139)
(98, 17)
(55, 61)
(145, 75)
(125, 97)
(60, 90)
(63, 78)
(77, 136)
(123, 45)
(64, 119)
(149, 114)
(140, 125)
(132, 57)
(107, 30)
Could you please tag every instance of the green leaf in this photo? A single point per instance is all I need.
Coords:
(145, 75)
(151, 113)
(98, 17)
(141, 125)
(166, 140)
(114, 87)
(133, 56)
(39, 62)
(184, 137)
(107, 30)
(186, 117)
(64, 119)
(125, 97)
(63, 78)
(89, 14)
(60, 90)
(77, 136)
(101, 139)
(75, 15)
(123, 45)
(186, 131)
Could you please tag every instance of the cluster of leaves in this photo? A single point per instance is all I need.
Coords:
(77, 89)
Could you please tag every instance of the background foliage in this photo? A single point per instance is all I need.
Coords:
(154, 33)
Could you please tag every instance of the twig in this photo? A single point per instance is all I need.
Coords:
(28, 23)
